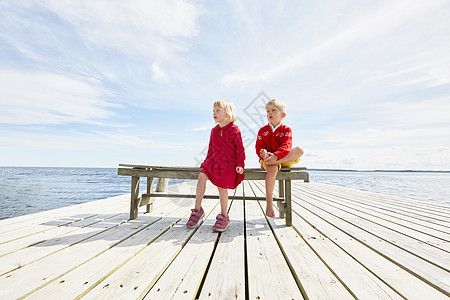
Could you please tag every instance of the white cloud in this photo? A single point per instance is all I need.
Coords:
(199, 129)
(147, 28)
(45, 98)
(381, 137)
(418, 157)
(359, 78)
(158, 74)
(109, 141)
(422, 114)
(388, 31)
(129, 43)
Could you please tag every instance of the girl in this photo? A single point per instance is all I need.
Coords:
(224, 164)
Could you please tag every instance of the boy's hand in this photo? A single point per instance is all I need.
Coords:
(271, 160)
(239, 170)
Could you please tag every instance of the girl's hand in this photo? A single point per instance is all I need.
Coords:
(239, 170)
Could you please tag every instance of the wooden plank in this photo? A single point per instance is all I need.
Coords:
(269, 276)
(136, 275)
(183, 277)
(134, 204)
(428, 206)
(231, 197)
(281, 206)
(26, 230)
(410, 220)
(311, 274)
(288, 202)
(31, 277)
(227, 265)
(127, 269)
(58, 213)
(197, 169)
(29, 237)
(386, 270)
(376, 207)
(158, 173)
(435, 280)
(36, 240)
(179, 174)
(432, 254)
(149, 207)
(430, 212)
(33, 223)
(356, 277)
(392, 223)
(22, 258)
(175, 168)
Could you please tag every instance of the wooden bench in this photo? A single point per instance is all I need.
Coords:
(284, 178)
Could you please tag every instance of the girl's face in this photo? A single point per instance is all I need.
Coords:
(219, 115)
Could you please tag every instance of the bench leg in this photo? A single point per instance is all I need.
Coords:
(134, 205)
(150, 190)
(162, 184)
(288, 199)
(280, 204)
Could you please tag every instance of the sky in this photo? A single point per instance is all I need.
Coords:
(97, 83)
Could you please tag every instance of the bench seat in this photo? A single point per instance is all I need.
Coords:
(284, 178)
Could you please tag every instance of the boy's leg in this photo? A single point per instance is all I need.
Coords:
(271, 176)
(201, 187)
(295, 154)
(223, 196)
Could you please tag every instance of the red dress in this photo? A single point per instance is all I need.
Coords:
(225, 153)
(278, 142)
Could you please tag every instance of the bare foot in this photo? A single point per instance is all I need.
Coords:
(264, 154)
(270, 213)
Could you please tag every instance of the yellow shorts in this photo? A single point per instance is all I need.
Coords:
(286, 165)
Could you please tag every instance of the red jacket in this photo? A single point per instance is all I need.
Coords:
(278, 142)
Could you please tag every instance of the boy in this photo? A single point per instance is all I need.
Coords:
(274, 148)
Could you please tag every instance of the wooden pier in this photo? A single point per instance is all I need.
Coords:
(343, 244)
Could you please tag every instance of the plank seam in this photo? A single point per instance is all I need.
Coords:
(288, 262)
(202, 283)
(380, 253)
(98, 254)
(377, 236)
(344, 207)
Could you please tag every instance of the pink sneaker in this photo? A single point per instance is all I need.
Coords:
(196, 215)
(222, 223)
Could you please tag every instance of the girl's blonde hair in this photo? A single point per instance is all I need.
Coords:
(278, 104)
(228, 108)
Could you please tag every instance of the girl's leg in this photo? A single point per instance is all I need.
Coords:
(201, 187)
(295, 153)
(223, 196)
(271, 176)
(223, 221)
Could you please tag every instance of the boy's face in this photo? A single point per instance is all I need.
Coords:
(274, 116)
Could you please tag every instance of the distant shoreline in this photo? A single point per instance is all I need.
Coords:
(309, 169)
(380, 171)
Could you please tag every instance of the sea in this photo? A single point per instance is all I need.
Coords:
(26, 190)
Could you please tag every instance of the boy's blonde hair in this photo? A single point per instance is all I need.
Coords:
(228, 108)
(278, 104)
